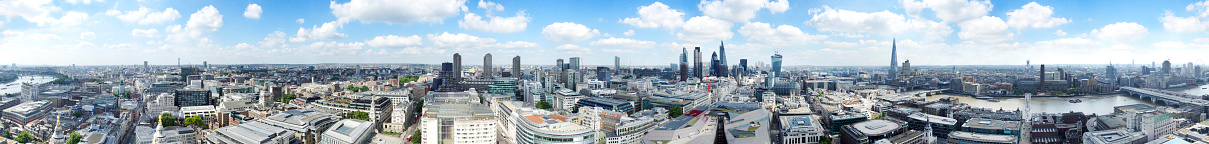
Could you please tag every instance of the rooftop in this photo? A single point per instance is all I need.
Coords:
(994, 138)
(876, 127)
(933, 119)
(981, 123)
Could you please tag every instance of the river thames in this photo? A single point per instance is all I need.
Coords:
(1097, 104)
(15, 86)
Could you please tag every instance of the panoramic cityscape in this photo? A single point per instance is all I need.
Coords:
(603, 72)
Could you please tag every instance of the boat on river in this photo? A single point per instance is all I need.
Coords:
(1075, 101)
(993, 100)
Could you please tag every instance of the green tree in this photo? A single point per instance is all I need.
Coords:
(288, 97)
(351, 88)
(824, 140)
(357, 115)
(675, 112)
(74, 138)
(24, 137)
(543, 105)
(166, 119)
(194, 121)
(76, 114)
(364, 88)
(419, 106)
(416, 137)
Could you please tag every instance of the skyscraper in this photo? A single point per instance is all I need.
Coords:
(893, 60)
(205, 65)
(560, 64)
(1041, 80)
(516, 67)
(445, 82)
(776, 65)
(743, 66)
(616, 63)
(146, 66)
(1111, 73)
(697, 67)
(487, 74)
(722, 59)
(1166, 67)
(714, 69)
(906, 68)
(683, 64)
(457, 67)
(574, 63)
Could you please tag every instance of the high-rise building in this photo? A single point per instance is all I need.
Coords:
(722, 60)
(697, 67)
(193, 97)
(714, 69)
(776, 65)
(1196, 71)
(574, 63)
(604, 74)
(516, 67)
(1111, 73)
(205, 65)
(1167, 67)
(1041, 81)
(892, 74)
(906, 68)
(487, 74)
(616, 63)
(683, 64)
(457, 67)
(146, 66)
(743, 66)
(560, 64)
(445, 82)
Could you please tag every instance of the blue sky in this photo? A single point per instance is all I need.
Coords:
(826, 33)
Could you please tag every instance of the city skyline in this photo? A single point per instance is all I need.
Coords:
(647, 33)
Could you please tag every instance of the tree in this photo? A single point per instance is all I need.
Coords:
(194, 121)
(357, 115)
(416, 137)
(420, 106)
(166, 119)
(76, 114)
(24, 137)
(675, 112)
(364, 88)
(543, 105)
(351, 88)
(824, 140)
(74, 138)
(288, 97)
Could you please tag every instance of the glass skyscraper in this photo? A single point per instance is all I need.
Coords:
(776, 65)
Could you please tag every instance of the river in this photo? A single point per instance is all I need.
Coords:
(15, 86)
(1097, 104)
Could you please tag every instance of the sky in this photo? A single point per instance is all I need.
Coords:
(820, 33)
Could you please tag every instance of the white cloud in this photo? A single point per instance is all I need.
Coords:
(656, 15)
(490, 6)
(988, 29)
(781, 35)
(740, 10)
(573, 49)
(1199, 43)
(623, 42)
(838, 44)
(884, 22)
(207, 18)
(394, 41)
(519, 44)
(1067, 42)
(1196, 23)
(145, 33)
(253, 11)
(38, 11)
(326, 31)
(145, 16)
(331, 48)
(1060, 33)
(949, 10)
(1121, 31)
(628, 33)
(83, 1)
(459, 42)
(398, 11)
(418, 50)
(621, 51)
(704, 29)
(1201, 8)
(1033, 15)
(568, 32)
(88, 35)
(496, 24)
(277, 38)
(300, 20)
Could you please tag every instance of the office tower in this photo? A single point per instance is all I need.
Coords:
(722, 59)
(205, 65)
(906, 68)
(1111, 73)
(560, 64)
(604, 74)
(894, 60)
(457, 67)
(487, 74)
(616, 63)
(683, 56)
(574, 63)
(444, 82)
(516, 67)
(1041, 81)
(743, 66)
(683, 72)
(1166, 67)
(1196, 71)
(697, 67)
(146, 66)
(776, 65)
(714, 68)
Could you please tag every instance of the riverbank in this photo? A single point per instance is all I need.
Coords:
(1022, 96)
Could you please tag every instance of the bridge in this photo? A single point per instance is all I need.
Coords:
(1168, 98)
(929, 92)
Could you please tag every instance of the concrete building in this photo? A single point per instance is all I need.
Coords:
(469, 123)
(173, 135)
(516, 67)
(1115, 136)
(487, 69)
(547, 127)
(989, 126)
(801, 129)
(379, 108)
(27, 112)
(250, 133)
(30, 92)
(960, 137)
(306, 124)
(204, 110)
(871, 131)
(941, 126)
(193, 97)
(348, 131)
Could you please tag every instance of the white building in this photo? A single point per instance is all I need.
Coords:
(800, 130)
(565, 99)
(462, 123)
(1155, 124)
(348, 131)
(204, 110)
(164, 102)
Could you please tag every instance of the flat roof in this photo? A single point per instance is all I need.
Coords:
(677, 123)
(876, 127)
(933, 119)
(981, 137)
(982, 123)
